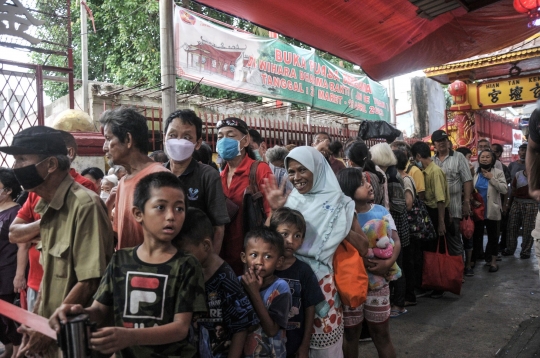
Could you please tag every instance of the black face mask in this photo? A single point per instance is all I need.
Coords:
(29, 177)
(486, 166)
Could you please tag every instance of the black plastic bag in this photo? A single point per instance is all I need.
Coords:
(378, 129)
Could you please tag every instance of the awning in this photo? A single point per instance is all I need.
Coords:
(392, 37)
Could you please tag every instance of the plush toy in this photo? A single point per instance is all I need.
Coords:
(381, 246)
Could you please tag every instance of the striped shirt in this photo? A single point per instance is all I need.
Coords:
(457, 172)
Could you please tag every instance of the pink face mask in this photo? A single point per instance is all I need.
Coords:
(179, 149)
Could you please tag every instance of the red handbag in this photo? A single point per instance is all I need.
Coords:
(442, 272)
(466, 226)
(478, 212)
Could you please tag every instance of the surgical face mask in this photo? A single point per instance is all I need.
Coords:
(229, 148)
(104, 195)
(486, 166)
(419, 164)
(29, 177)
(257, 154)
(179, 149)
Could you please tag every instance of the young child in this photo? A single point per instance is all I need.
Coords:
(221, 332)
(376, 309)
(270, 295)
(305, 290)
(152, 290)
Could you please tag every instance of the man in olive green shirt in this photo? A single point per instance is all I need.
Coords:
(76, 234)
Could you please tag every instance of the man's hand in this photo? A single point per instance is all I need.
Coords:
(61, 313)
(111, 339)
(466, 209)
(252, 282)
(441, 230)
(33, 342)
(19, 284)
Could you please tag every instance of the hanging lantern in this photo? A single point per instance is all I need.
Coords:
(457, 88)
(531, 8)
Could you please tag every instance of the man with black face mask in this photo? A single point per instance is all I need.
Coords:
(76, 235)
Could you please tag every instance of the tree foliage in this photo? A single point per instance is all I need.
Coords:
(125, 48)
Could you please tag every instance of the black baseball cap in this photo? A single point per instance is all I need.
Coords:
(233, 122)
(37, 140)
(438, 135)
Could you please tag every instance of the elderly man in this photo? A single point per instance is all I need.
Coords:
(76, 235)
(183, 135)
(459, 178)
(321, 141)
(126, 144)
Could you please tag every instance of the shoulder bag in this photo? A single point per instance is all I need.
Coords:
(420, 226)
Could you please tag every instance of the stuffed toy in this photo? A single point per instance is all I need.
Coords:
(381, 246)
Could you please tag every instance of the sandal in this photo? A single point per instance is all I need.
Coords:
(494, 268)
(397, 313)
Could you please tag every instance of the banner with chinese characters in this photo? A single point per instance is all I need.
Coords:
(267, 67)
(508, 92)
(517, 140)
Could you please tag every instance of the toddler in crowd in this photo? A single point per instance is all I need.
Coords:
(152, 290)
(376, 309)
(269, 295)
(222, 331)
(305, 290)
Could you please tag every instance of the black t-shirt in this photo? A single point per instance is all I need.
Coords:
(205, 192)
(229, 312)
(306, 292)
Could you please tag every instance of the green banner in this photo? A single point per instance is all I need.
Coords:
(271, 68)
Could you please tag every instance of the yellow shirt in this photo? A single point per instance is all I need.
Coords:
(436, 186)
(418, 178)
(76, 241)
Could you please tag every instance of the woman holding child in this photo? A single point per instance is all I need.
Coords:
(329, 217)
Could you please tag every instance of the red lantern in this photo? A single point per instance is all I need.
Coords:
(525, 6)
(457, 88)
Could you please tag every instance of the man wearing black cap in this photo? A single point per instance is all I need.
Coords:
(459, 178)
(76, 235)
(233, 147)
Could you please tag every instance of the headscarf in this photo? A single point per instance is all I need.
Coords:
(328, 212)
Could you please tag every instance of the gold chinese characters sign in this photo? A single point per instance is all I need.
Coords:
(508, 92)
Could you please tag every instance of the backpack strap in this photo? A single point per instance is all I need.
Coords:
(255, 193)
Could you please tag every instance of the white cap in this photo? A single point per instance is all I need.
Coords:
(112, 179)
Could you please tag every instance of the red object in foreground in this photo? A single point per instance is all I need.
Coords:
(37, 323)
(524, 6)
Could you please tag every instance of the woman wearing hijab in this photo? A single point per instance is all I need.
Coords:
(329, 216)
(490, 183)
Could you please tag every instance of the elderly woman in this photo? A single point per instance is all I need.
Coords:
(9, 190)
(490, 183)
(383, 156)
(329, 216)
(276, 156)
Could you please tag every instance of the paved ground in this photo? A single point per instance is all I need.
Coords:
(496, 314)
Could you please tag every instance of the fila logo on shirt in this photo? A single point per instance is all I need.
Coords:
(145, 295)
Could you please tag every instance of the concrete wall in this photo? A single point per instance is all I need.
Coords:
(428, 105)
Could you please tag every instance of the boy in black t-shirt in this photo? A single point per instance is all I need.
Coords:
(305, 289)
(152, 290)
(221, 333)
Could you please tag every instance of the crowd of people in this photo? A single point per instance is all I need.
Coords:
(173, 255)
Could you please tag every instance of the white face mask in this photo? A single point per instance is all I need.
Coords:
(104, 195)
(179, 149)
